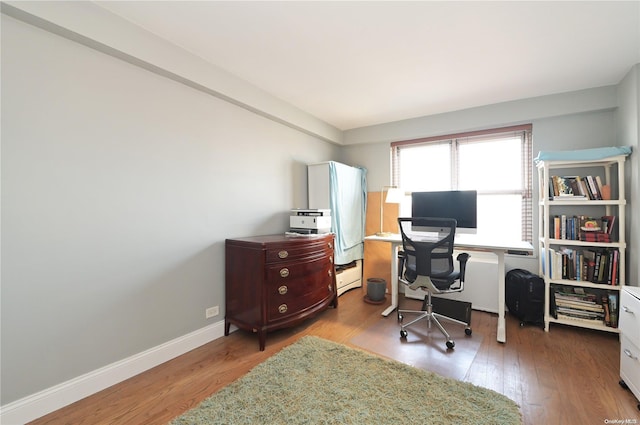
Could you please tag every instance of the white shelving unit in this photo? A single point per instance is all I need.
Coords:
(547, 210)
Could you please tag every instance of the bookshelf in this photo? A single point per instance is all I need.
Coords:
(582, 253)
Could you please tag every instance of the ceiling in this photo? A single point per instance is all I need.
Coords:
(355, 64)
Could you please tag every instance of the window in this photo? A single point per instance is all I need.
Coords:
(496, 163)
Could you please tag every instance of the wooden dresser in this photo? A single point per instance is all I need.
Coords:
(277, 281)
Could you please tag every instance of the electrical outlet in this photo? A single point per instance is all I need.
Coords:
(212, 311)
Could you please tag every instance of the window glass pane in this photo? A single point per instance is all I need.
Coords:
(424, 168)
(500, 216)
(491, 165)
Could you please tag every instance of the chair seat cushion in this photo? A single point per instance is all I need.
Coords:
(441, 281)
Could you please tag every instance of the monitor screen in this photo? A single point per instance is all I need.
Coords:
(458, 204)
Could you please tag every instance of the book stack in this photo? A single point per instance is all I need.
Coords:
(576, 187)
(595, 307)
(572, 305)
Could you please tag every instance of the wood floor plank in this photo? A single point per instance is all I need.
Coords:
(565, 376)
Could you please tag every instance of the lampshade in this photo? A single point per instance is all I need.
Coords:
(394, 196)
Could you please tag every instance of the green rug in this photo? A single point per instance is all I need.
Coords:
(315, 381)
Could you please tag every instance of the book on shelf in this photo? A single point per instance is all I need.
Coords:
(595, 237)
(592, 186)
(584, 228)
(595, 306)
(579, 305)
(613, 310)
(566, 187)
(609, 223)
(552, 260)
(610, 304)
(577, 187)
(596, 265)
(575, 293)
(580, 319)
(573, 312)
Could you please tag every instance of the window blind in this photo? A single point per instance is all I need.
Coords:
(457, 144)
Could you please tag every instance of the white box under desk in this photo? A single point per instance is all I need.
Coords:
(348, 277)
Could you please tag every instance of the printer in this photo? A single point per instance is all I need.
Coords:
(310, 221)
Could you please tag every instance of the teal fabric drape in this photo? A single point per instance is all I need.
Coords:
(348, 201)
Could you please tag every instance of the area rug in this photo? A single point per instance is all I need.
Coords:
(315, 381)
(423, 348)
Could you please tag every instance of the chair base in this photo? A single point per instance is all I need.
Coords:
(431, 316)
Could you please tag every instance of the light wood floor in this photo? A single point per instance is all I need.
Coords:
(565, 376)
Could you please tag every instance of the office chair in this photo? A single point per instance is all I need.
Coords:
(426, 262)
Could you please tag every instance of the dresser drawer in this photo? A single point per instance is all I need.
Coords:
(630, 365)
(286, 272)
(288, 252)
(629, 317)
(299, 296)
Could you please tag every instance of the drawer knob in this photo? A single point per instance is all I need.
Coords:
(627, 309)
(329, 288)
(282, 308)
(283, 254)
(330, 273)
(284, 272)
(331, 259)
(330, 245)
(629, 354)
(283, 290)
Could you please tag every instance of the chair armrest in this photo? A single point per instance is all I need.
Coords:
(462, 259)
(402, 257)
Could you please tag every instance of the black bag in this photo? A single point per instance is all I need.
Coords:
(524, 296)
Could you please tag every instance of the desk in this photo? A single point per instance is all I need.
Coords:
(462, 242)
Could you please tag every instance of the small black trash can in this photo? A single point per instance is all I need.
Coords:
(376, 288)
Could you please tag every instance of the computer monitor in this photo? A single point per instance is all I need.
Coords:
(458, 204)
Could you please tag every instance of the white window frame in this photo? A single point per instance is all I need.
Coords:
(523, 132)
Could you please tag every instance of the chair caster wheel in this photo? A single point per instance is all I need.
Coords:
(450, 344)
(623, 384)
(403, 333)
(400, 317)
(468, 331)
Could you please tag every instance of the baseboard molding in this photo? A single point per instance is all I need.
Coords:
(58, 396)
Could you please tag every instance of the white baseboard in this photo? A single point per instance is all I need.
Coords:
(58, 396)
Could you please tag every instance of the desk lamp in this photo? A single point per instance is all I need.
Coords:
(394, 196)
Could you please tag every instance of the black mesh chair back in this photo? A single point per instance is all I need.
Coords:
(428, 248)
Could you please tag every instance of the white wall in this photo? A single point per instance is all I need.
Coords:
(584, 119)
(119, 187)
(499, 114)
(87, 23)
(628, 123)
